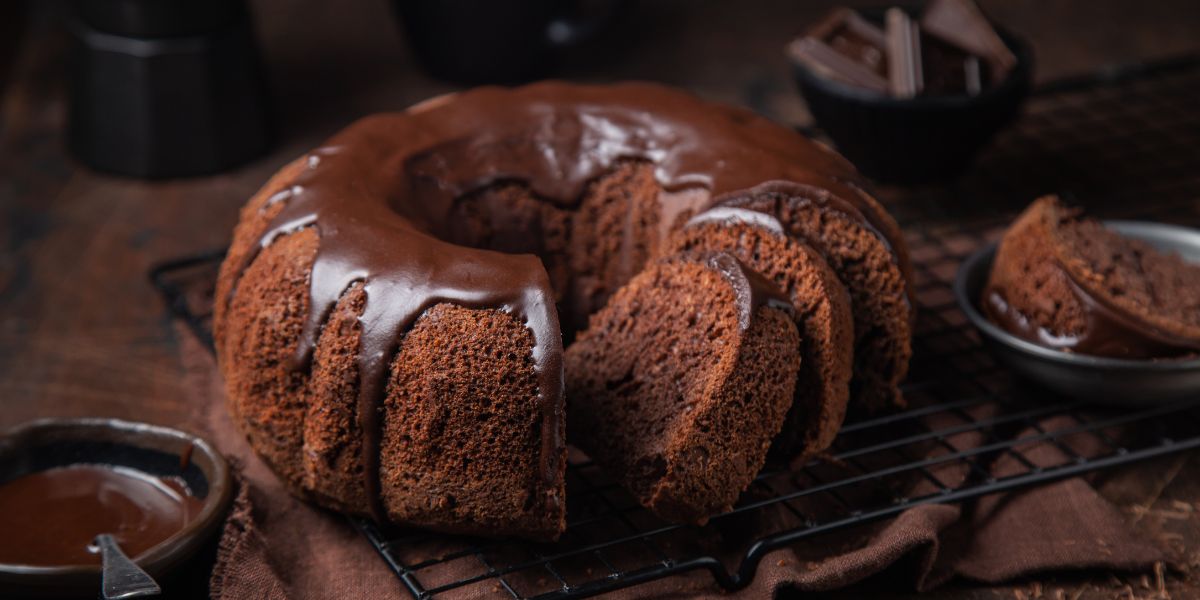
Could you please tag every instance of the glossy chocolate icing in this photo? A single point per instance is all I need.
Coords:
(751, 289)
(49, 518)
(730, 214)
(755, 290)
(380, 193)
(1108, 331)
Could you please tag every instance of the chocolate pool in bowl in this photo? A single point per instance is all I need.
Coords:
(51, 517)
(161, 493)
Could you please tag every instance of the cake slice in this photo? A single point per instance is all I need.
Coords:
(1065, 281)
(681, 382)
(869, 268)
(821, 312)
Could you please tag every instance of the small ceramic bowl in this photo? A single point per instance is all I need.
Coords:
(915, 140)
(1095, 378)
(158, 451)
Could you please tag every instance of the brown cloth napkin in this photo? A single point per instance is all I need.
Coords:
(274, 546)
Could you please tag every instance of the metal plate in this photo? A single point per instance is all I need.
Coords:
(1095, 378)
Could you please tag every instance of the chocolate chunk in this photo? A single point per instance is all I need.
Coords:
(905, 78)
(960, 23)
(949, 70)
(849, 34)
(827, 62)
(953, 50)
(973, 71)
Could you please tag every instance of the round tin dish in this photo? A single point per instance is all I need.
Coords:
(1096, 378)
(157, 451)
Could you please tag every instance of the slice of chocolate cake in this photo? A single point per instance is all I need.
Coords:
(822, 314)
(681, 382)
(1065, 281)
(871, 272)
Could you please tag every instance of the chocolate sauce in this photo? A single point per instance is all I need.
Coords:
(1108, 331)
(49, 518)
(380, 193)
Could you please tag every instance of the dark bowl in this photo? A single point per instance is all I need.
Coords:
(49, 443)
(916, 140)
(1094, 378)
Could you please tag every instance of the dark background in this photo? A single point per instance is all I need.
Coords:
(82, 333)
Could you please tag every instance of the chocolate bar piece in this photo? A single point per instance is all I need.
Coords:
(827, 62)
(847, 32)
(905, 78)
(949, 70)
(960, 22)
(973, 72)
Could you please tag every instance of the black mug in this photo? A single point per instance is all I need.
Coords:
(499, 41)
(166, 88)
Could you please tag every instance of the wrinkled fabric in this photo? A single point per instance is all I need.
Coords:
(276, 547)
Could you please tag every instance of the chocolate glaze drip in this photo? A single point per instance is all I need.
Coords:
(381, 191)
(1108, 330)
(365, 238)
(751, 289)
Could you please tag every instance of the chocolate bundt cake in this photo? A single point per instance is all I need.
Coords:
(682, 381)
(821, 311)
(872, 262)
(387, 318)
(1067, 282)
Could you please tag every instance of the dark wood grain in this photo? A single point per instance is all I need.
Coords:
(82, 333)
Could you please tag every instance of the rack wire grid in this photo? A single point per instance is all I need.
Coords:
(1122, 142)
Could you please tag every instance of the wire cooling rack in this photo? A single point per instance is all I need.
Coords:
(1122, 142)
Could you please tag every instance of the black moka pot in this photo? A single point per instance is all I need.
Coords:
(166, 88)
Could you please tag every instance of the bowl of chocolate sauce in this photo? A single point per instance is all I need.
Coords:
(160, 492)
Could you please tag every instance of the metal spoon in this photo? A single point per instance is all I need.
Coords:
(121, 577)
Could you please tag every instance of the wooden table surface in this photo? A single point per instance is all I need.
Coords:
(82, 333)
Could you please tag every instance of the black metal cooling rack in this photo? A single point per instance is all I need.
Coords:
(1122, 142)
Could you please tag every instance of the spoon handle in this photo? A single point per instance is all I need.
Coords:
(121, 577)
